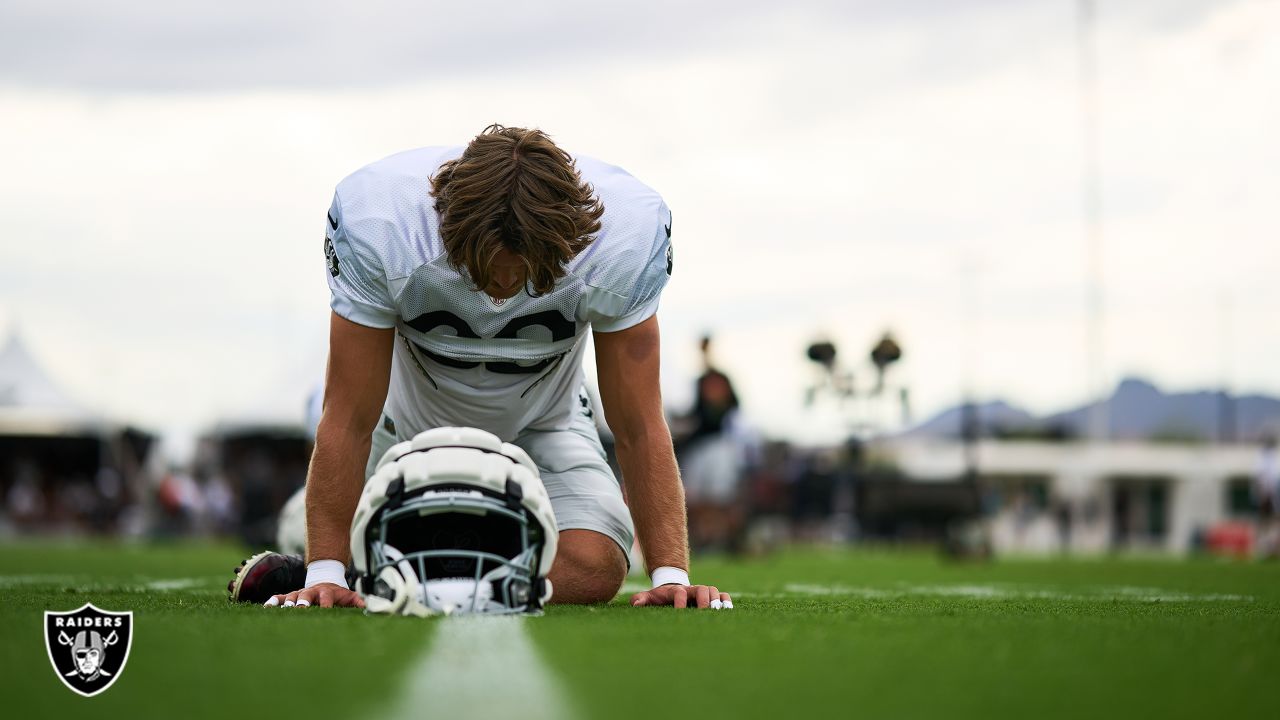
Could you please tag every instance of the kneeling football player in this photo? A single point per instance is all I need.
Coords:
(463, 282)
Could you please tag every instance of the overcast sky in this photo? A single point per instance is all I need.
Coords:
(835, 169)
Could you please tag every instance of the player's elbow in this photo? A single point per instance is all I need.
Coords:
(344, 425)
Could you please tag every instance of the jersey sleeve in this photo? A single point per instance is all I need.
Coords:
(642, 302)
(357, 284)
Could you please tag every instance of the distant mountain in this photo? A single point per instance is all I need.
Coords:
(1139, 410)
(1136, 410)
(992, 418)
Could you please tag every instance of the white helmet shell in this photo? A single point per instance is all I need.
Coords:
(449, 470)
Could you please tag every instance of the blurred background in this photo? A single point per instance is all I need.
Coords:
(996, 275)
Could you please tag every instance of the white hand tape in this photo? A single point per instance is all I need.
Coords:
(326, 571)
(667, 575)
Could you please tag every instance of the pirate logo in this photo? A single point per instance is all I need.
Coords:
(331, 257)
(88, 647)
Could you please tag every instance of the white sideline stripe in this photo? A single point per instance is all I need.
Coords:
(7, 581)
(990, 592)
(482, 667)
(998, 592)
(85, 583)
(176, 584)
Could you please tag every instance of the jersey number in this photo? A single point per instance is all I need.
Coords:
(561, 329)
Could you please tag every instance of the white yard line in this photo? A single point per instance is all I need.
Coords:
(481, 667)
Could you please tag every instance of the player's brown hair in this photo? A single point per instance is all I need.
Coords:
(514, 188)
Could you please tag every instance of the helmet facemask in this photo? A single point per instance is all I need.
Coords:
(456, 550)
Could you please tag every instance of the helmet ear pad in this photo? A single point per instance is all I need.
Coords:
(399, 591)
(402, 582)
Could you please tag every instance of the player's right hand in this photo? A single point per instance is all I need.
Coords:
(322, 594)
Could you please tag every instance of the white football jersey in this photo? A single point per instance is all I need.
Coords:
(462, 358)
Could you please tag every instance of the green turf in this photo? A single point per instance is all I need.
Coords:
(859, 634)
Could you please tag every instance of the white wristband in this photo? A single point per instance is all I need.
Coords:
(667, 575)
(326, 571)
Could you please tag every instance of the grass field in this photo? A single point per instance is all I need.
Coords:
(855, 634)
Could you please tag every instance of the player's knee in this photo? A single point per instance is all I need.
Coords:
(589, 568)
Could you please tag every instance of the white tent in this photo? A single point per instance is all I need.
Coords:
(31, 403)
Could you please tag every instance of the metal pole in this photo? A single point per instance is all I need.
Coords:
(1091, 195)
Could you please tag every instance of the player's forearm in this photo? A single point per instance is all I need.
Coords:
(655, 495)
(334, 482)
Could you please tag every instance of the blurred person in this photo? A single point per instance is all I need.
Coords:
(109, 487)
(1266, 488)
(813, 500)
(25, 500)
(78, 502)
(1024, 512)
(712, 460)
(766, 525)
(715, 401)
(180, 502)
(1062, 520)
(313, 409)
(257, 476)
(463, 282)
(220, 505)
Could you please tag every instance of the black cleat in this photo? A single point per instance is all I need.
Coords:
(267, 574)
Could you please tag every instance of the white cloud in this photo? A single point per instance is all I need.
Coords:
(829, 175)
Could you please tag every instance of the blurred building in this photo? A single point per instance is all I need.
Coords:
(1054, 496)
(63, 467)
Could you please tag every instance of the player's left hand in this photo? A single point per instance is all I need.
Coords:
(684, 596)
(324, 594)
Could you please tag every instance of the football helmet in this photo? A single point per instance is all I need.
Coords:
(454, 521)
